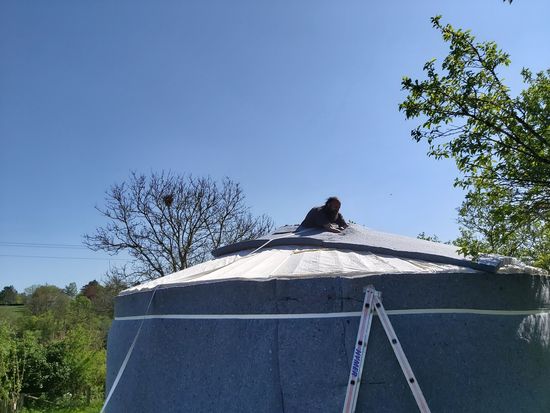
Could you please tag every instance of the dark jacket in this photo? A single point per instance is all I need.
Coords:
(321, 216)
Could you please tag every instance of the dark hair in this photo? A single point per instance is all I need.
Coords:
(331, 199)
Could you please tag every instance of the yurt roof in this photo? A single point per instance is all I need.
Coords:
(295, 252)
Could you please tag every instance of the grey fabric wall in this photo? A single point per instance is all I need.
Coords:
(463, 362)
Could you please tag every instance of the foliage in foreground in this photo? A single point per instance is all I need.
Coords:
(91, 408)
(52, 355)
(500, 143)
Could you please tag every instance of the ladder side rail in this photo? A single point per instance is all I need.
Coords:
(365, 343)
(401, 358)
(359, 351)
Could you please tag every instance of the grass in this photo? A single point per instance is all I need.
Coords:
(95, 407)
(11, 312)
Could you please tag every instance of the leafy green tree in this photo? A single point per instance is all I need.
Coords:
(37, 369)
(30, 290)
(71, 290)
(426, 237)
(15, 366)
(63, 342)
(48, 298)
(8, 296)
(68, 369)
(500, 142)
(6, 344)
(85, 357)
(101, 298)
(91, 290)
(482, 232)
(46, 325)
(104, 302)
(80, 312)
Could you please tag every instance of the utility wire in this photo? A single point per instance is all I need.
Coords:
(40, 245)
(63, 258)
(9, 244)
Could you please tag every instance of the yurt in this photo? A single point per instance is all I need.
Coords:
(270, 326)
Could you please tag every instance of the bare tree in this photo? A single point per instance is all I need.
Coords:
(169, 222)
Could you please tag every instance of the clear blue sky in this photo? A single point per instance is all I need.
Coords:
(296, 100)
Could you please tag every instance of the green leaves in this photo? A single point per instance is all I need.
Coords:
(54, 354)
(500, 143)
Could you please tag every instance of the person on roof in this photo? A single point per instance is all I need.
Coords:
(327, 216)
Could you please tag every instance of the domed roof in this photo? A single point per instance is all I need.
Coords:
(293, 252)
(359, 238)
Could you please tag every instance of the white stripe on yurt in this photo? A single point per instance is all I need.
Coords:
(145, 317)
(330, 315)
(127, 357)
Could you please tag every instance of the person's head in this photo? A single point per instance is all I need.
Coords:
(333, 204)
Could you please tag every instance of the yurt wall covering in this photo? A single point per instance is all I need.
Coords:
(270, 326)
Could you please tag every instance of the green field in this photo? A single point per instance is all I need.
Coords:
(11, 312)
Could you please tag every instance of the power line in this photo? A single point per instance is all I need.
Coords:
(63, 258)
(40, 245)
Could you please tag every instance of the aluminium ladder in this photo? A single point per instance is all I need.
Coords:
(374, 297)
